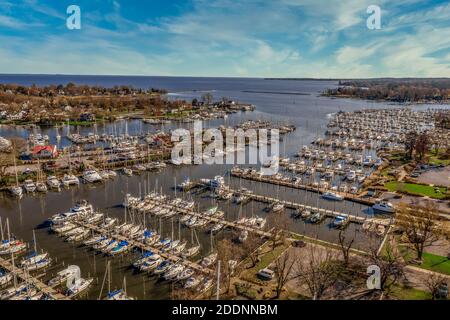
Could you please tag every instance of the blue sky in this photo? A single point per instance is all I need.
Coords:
(251, 38)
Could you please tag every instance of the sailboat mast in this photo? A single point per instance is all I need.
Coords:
(7, 229)
(1, 228)
(34, 240)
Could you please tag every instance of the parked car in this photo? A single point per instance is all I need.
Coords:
(266, 274)
(299, 244)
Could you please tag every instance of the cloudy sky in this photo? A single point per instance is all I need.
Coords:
(243, 38)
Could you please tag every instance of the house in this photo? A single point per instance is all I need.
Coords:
(44, 152)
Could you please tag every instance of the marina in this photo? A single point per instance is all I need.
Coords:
(175, 214)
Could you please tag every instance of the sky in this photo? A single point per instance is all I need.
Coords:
(227, 38)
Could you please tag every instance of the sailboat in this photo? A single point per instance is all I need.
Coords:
(194, 249)
(16, 191)
(35, 261)
(63, 275)
(10, 245)
(120, 294)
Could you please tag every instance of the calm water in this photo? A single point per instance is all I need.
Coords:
(309, 112)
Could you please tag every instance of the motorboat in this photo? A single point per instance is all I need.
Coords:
(41, 187)
(63, 228)
(127, 171)
(70, 180)
(29, 186)
(332, 196)
(278, 207)
(384, 206)
(80, 210)
(92, 176)
(340, 221)
(16, 192)
(316, 217)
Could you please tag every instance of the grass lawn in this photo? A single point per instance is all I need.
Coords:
(416, 189)
(436, 263)
(405, 293)
(429, 261)
(265, 260)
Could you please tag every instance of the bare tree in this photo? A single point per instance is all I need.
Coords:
(284, 270)
(420, 224)
(226, 252)
(422, 145)
(390, 263)
(207, 98)
(317, 270)
(346, 246)
(435, 282)
(250, 248)
(279, 224)
(410, 143)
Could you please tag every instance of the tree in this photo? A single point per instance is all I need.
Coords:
(422, 145)
(435, 282)
(207, 98)
(317, 270)
(410, 143)
(283, 270)
(279, 224)
(226, 252)
(389, 261)
(420, 225)
(345, 246)
(250, 248)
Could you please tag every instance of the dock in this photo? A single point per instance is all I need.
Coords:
(288, 184)
(38, 284)
(145, 247)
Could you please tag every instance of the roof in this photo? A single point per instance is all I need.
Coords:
(39, 149)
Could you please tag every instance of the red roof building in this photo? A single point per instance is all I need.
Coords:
(45, 152)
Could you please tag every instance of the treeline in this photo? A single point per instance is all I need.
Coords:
(72, 89)
(54, 103)
(395, 90)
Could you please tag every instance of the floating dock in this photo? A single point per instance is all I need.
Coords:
(39, 285)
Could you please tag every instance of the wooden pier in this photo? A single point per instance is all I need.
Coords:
(39, 285)
(326, 212)
(288, 184)
(145, 247)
